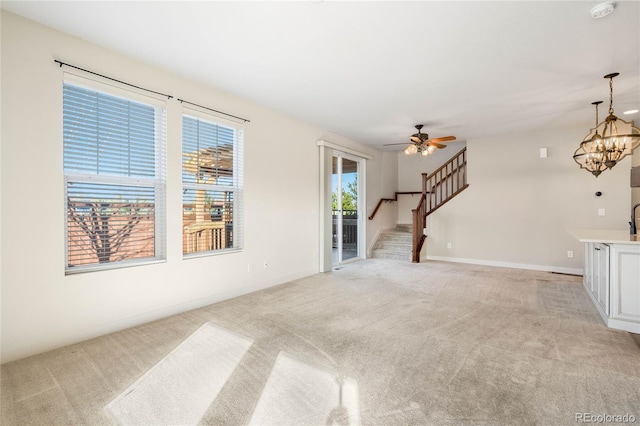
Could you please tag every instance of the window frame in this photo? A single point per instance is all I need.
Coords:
(237, 187)
(157, 182)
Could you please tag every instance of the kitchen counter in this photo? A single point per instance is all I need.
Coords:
(607, 236)
(612, 275)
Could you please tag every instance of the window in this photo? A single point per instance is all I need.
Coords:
(114, 168)
(212, 158)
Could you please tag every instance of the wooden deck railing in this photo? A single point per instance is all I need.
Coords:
(349, 228)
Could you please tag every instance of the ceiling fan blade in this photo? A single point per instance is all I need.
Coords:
(404, 143)
(416, 139)
(437, 145)
(443, 139)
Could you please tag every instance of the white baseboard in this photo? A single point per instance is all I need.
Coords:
(558, 269)
(81, 334)
(631, 327)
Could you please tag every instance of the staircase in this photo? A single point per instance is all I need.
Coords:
(438, 188)
(393, 244)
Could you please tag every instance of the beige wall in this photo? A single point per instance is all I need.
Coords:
(383, 176)
(41, 307)
(518, 206)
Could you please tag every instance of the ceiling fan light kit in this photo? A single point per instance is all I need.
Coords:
(608, 142)
(411, 149)
(421, 144)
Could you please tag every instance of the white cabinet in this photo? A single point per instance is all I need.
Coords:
(625, 282)
(588, 267)
(612, 279)
(596, 275)
(602, 274)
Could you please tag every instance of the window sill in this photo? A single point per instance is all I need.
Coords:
(108, 267)
(210, 253)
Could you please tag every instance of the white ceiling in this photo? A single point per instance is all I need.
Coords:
(372, 70)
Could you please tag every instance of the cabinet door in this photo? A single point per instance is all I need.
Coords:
(588, 266)
(625, 282)
(602, 272)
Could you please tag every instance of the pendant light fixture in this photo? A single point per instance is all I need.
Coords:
(591, 153)
(609, 142)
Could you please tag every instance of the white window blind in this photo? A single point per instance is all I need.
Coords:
(212, 179)
(114, 166)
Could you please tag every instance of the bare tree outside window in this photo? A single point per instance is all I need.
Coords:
(109, 232)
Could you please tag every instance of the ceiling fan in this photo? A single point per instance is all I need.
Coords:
(420, 143)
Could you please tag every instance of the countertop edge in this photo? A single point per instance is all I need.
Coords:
(607, 236)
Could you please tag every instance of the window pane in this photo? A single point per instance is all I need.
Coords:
(109, 223)
(114, 151)
(207, 152)
(107, 135)
(207, 220)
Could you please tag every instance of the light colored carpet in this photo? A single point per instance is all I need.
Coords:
(434, 343)
(300, 393)
(180, 388)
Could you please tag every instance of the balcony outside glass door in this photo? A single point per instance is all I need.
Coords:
(345, 209)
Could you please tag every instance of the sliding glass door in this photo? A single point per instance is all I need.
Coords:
(345, 208)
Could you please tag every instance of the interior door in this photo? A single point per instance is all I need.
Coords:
(345, 208)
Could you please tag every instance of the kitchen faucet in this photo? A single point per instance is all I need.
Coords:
(633, 219)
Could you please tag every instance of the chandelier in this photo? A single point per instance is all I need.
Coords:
(591, 153)
(609, 142)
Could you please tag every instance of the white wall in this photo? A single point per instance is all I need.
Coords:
(518, 206)
(41, 307)
(383, 179)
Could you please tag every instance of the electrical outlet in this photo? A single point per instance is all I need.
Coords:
(265, 264)
(570, 254)
(601, 212)
(248, 267)
(448, 245)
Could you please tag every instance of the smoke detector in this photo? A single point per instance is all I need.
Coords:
(602, 10)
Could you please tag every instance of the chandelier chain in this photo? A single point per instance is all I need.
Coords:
(611, 95)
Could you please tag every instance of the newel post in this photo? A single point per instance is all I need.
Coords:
(416, 231)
